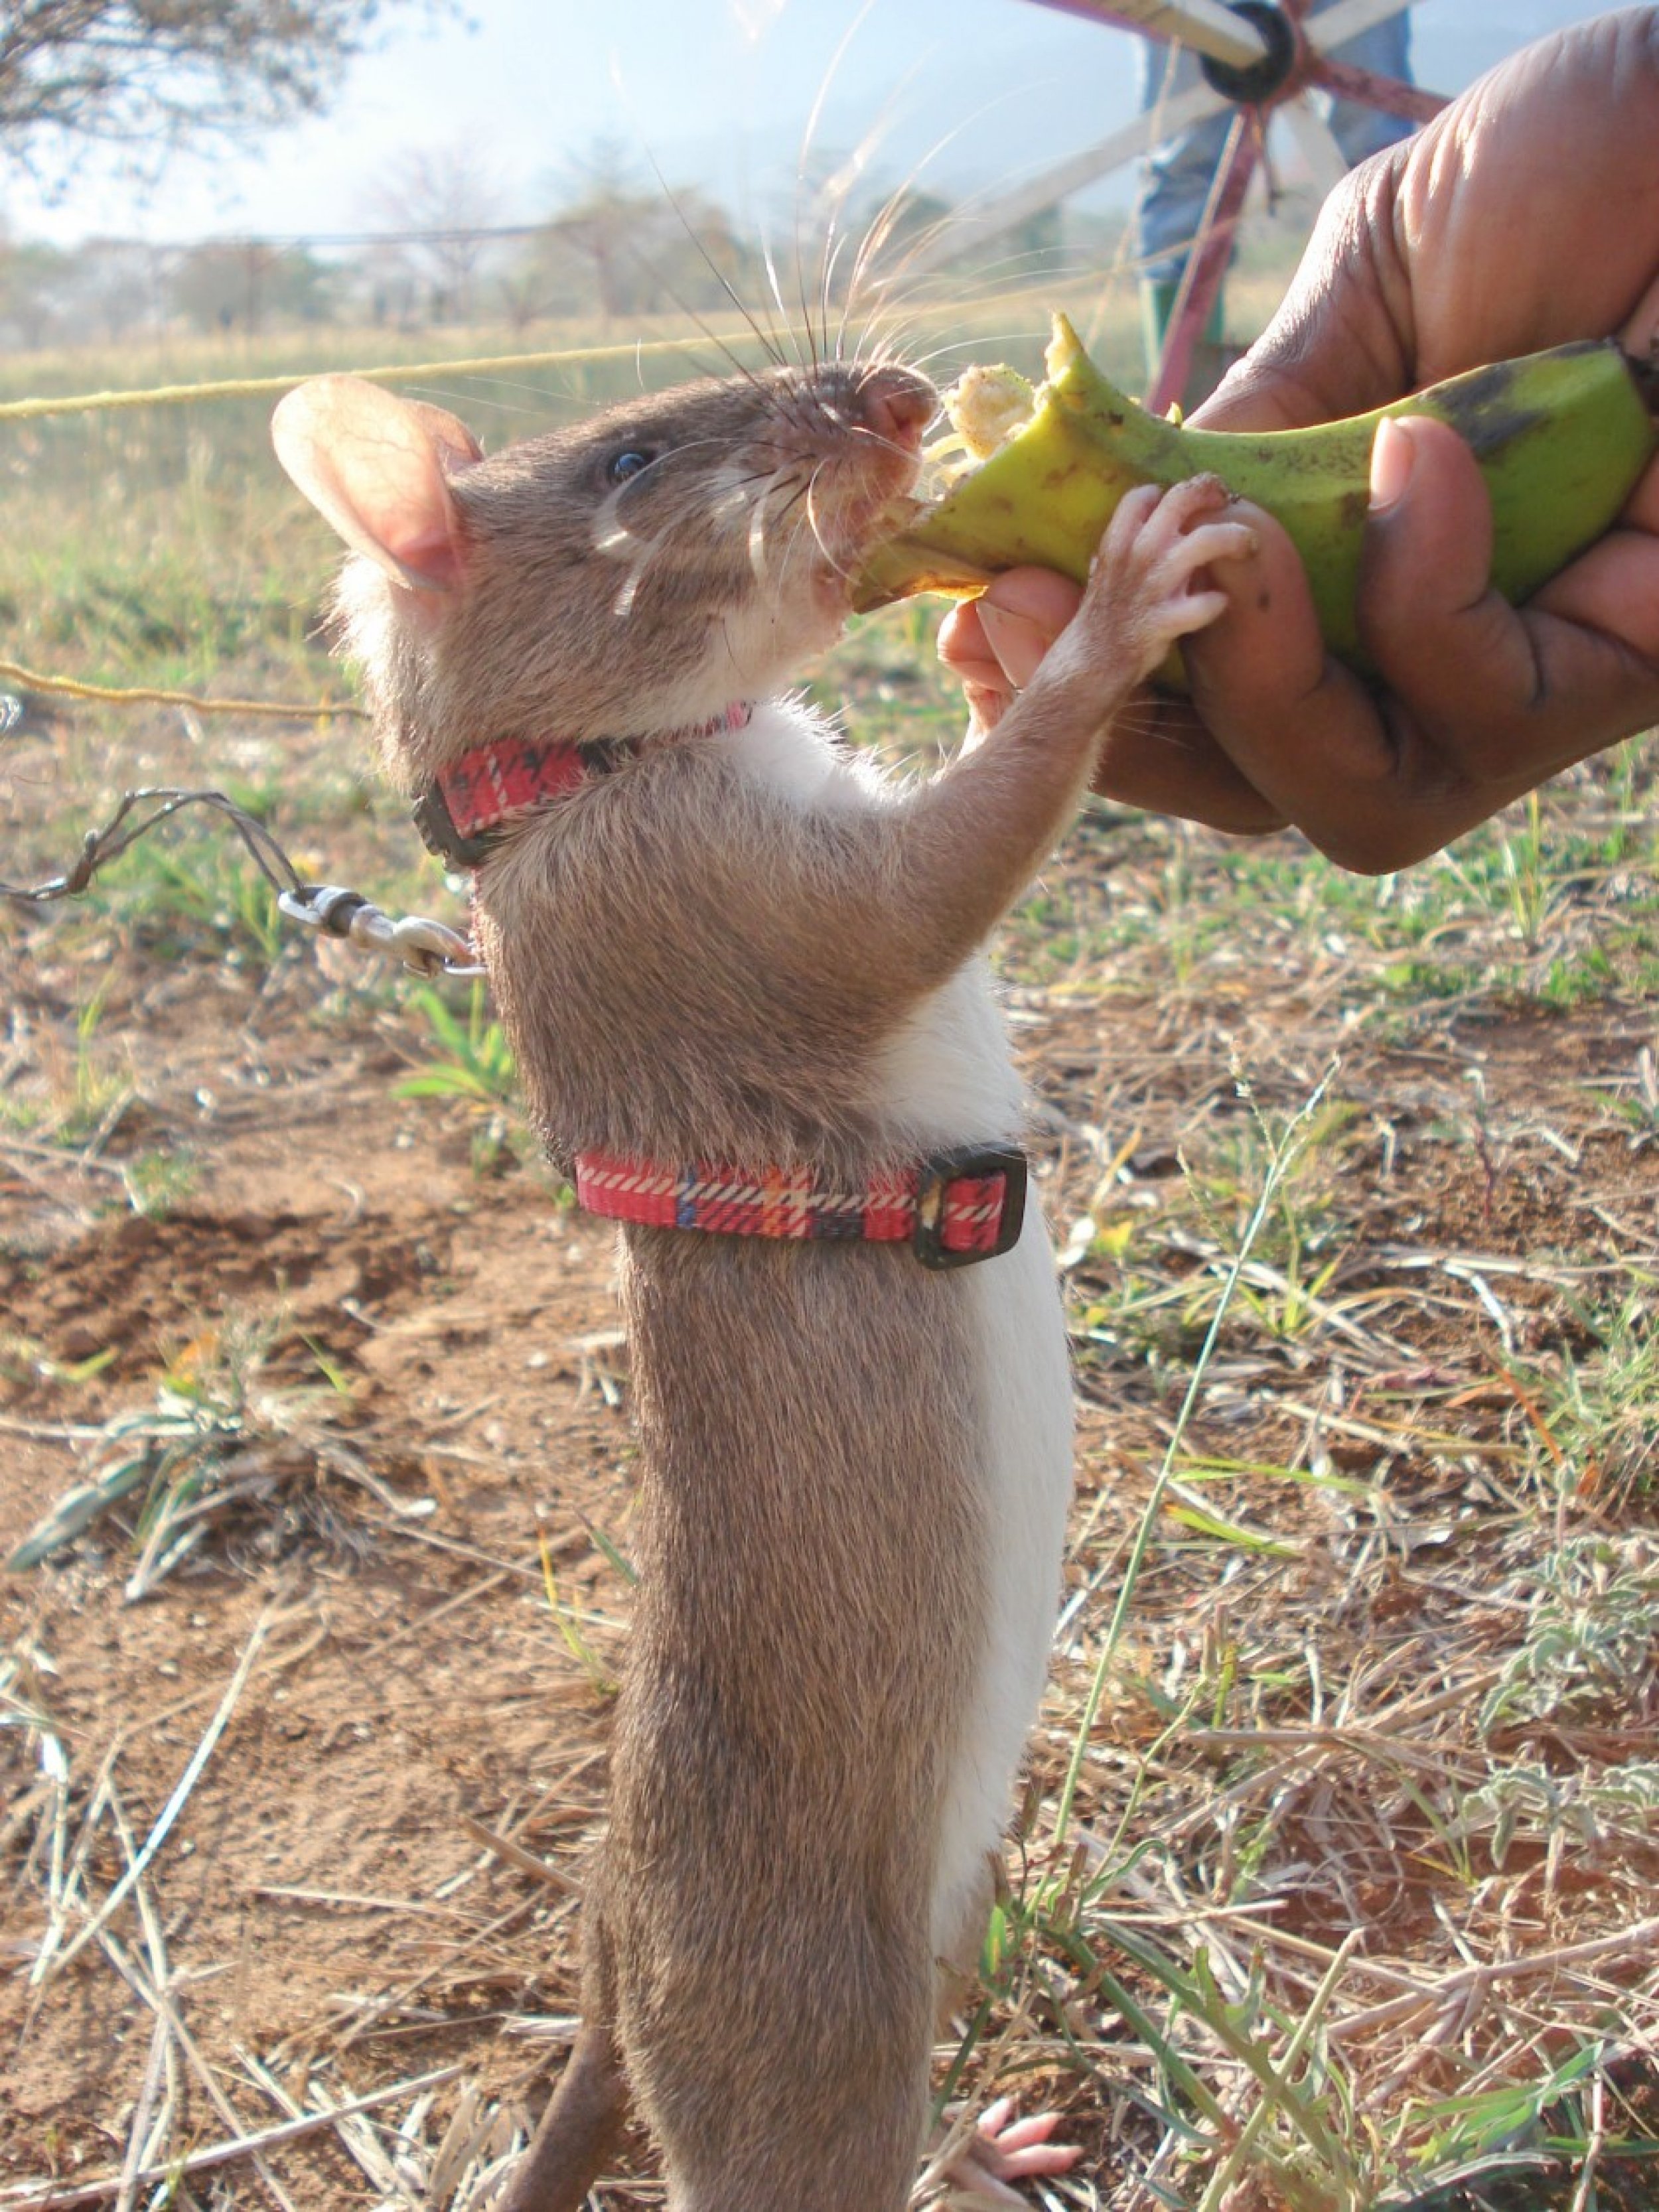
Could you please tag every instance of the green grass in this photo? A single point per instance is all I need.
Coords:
(470, 1060)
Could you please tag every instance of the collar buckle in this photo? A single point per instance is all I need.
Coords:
(974, 1163)
(442, 839)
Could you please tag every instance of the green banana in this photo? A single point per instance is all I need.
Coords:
(1561, 438)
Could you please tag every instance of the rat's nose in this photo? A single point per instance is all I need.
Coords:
(897, 405)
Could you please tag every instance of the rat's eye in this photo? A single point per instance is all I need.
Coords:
(628, 463)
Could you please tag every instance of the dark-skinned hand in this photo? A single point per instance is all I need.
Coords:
(1525, 215)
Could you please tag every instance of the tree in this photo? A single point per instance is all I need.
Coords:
(243, 285)
(114, 286)
(34, 280)
(635, 248)
(152, 73)
(444, 202)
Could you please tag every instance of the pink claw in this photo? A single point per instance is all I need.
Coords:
(1015, 2148)
(1003, 2150)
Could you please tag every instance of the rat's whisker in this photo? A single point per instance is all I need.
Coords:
(787, 343)
(836, 189)
(770, 515)
(834, 562)
(765, 338)
(644, 551)
(761, 520)
(831, 262)
(799, 498)
(800, 527)
(888, 215)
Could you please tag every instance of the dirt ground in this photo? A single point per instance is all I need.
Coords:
(374, 1875)
(411, 1681)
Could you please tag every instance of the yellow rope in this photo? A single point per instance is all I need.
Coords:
(261, 387)
(257, 388)
(12, 671)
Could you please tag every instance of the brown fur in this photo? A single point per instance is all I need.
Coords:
(549, 549)
(782, 1706)
(691, 964)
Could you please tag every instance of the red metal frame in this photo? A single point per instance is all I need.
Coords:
(1206, 266)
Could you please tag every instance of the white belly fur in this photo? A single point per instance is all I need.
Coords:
(947, 1079)
(952, 1083)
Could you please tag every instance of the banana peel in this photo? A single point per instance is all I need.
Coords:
(1561, 438)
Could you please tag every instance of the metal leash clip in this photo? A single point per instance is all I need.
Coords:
(428, 948)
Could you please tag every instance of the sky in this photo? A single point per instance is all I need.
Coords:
(722, 91)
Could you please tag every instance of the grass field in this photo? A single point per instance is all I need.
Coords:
(1335, 1885)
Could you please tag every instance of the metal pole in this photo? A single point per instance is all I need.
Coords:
(1208, 264)
(1207, 26)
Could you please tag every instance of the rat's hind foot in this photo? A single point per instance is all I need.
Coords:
(999, 2151)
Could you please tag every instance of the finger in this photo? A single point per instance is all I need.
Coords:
(1640, 335)
(1497, 699)
(1027, 2146)
(1039, 594)
(987, 703)
(999, 2125)
(1299, 729)
(1445, 640)
(1028, 608)
(1614, 586)
(1020, 615)
(963, 647)
(1156, 753)
(966, 652)
(1542, 150)
(1375, 781)
(1400, 288)
(1613, 589)
(1486, 702)
(1018, 643)
(1342, 340)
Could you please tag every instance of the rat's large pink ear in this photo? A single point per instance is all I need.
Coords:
(373, 465)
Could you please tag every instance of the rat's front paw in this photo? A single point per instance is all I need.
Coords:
(1147, 586)
(1001, 2150)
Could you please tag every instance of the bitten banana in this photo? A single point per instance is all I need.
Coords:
(1561, 438)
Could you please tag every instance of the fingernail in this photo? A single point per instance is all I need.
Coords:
(1393, 456)
(1019, 645)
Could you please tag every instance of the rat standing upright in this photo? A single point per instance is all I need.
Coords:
(739, 972)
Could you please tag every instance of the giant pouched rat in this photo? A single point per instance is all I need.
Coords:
(735, 962)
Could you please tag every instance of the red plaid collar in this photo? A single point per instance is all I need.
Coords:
(952, 1209)
(466, 802)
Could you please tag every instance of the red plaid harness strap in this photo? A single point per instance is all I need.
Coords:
(953, 1208)
(956, 1207)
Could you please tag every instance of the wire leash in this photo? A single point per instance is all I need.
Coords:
(426, 947)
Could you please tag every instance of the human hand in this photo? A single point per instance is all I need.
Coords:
(1526, 214)
(1155, 754)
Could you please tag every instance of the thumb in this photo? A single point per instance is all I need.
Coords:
(1445, 641)
(1021, 614)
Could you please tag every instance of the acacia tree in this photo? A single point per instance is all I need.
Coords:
(150, 74)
